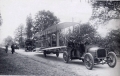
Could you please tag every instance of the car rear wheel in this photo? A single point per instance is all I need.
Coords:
(66, 57)
(89, 61)
(112, 59)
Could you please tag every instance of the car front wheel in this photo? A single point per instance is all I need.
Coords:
(112, 59)
(89, 61)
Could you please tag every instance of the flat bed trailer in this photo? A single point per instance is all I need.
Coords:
(54, 50)
(52, 39)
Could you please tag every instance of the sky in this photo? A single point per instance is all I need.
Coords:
(15, 12)
(113, 24)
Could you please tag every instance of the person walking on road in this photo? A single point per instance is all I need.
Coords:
(6, 48)
(12, 48)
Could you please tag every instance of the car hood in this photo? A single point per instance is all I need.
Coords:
(93, 48)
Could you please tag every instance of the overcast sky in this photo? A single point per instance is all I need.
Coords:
(15, 12)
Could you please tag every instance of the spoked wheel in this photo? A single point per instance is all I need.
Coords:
(66, 57)
(112, 59)
(45, 53)
(89, 61)
(57, 54)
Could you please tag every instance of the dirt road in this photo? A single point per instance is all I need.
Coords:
(34, 63)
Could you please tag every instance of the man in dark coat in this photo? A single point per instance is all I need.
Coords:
(71, 46)
(13, 49)
(6, 48)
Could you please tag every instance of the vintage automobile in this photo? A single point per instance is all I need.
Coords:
(89, 54)
(29, 45)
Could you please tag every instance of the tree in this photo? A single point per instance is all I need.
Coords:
(103, 11)
(0, 19)
(115, 39)
(84, 33)
(44, 19)
(111, 42)
(29, 27)
(19, 35)
(8, 40)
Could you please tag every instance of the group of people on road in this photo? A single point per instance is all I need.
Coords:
(12, 48)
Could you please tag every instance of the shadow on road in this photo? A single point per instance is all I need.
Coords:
(49, 57)
(78, 62)
(59, 59)
(100, 67)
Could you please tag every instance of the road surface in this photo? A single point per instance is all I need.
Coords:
(34, 63)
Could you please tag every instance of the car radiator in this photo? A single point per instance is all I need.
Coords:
(101, 53)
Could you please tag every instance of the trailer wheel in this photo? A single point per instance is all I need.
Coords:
(89, 61)
(57, 54)
(44, 53)
(25, 50)
(66, 57)
(82, 60)
(112, 59)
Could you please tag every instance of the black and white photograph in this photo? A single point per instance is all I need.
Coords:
(60, 37)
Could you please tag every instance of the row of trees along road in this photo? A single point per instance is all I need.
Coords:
(103, 12)
(43, 19)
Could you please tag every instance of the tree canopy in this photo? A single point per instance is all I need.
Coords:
(104, 11)
(43, 20)
(0, 19)
(8, 40)
(115, 39)
(29, 24)
(19, 35)
(84, 33)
